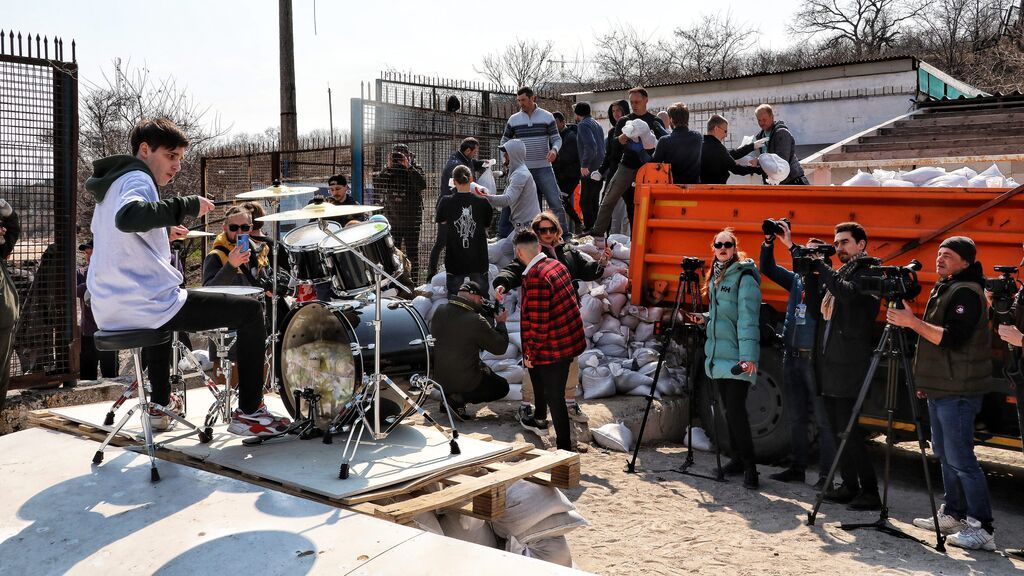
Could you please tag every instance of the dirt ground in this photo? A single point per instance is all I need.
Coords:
(660, 522)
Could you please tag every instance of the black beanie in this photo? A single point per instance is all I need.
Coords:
(339, 180)
(963, 246)
(582, 109)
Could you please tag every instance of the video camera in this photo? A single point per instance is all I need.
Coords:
(691, 264)
(492, 308)
(891, 283)
(1004, 289)
(803, 255)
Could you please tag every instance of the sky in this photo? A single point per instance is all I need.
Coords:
(225, 52)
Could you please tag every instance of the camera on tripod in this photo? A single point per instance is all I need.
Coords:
(772, 227)
(803, 255)
(691, 264)
(892, 283)
(1004, 289)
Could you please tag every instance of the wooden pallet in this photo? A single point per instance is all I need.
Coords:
(478, 489)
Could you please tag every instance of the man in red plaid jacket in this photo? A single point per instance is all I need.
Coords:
(552, 331)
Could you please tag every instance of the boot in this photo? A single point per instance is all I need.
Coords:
(750, 481)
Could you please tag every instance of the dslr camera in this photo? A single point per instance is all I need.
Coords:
(691, 264)
(891, 283)
(1004, 289)
(803, 255)
(774, 227)
(492, 308)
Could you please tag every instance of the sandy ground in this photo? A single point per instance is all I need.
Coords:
(659, 522)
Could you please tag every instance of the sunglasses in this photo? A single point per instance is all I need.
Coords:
(237, 227)
(546, 230)
(724, 244)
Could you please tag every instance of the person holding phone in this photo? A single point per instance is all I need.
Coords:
(232, 262)
(733, 344)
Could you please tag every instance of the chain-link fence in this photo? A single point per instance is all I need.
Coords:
(38, 164)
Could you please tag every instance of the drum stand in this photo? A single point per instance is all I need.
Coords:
(304, 425)
(373, 388)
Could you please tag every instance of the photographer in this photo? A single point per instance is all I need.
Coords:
(800, 386)
(844, 345)
(399, 187)
(10, 230)
(953, 369)
(462, 327)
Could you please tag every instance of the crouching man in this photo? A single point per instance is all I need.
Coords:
(953, 369)
(461, 329)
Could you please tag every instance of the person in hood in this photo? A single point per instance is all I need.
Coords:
(717, 161)
(567, 168)
(953, 369)
(134, 286)
(520, 196)
(733, 344)
(780, 142)
(466, 156)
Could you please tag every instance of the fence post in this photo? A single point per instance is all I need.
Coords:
(357, 149)
(65, 164)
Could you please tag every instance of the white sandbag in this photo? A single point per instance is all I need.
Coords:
(591, 309)
(616, 302)
(504, 364)
(554, 526)
(613, 269)
(599, 291)
(700, 439)
(617, 284)
(469, 529)
(648, 369)
(526, 505)
(618, 239)
(620, 251)
(897, 184)
(440, 280)
(644, 332)
(642, 391)
(590, 250)
(439, 294)
(626, 380)
(642, 356)
(422, 305)
(921, 175)
(510, 352)
(516, 339)
(487, 180)
(613, 344)
(513, 326)
(613, 436)
(776, 169)
(589, 330)
(883, 175)
(966, 172)
(515, 392)
(947, 181)
(426, 289)
(597, 382)
(609, 323)
(1010, 183)
(203, 356)
(553, 550)
(629, 321)
(435, 304)
(861, 179)
(428, 522)
(512, 375)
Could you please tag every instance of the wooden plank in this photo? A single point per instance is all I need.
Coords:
(936, 152)
(955, 119)
(956, 161)
(967, 142)
(930, 137)
(953, 129)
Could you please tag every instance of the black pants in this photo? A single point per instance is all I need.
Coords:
(90, 356)
(407, 238)
(549, 392)
(855, 467)
(436, 249)
(590, 200)
(206, 311)
(734, 397)
(455, 281)
(628, 197)
(492, 387)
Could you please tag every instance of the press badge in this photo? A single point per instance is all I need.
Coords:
(801, 314)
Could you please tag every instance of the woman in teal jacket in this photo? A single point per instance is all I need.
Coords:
(733, 346)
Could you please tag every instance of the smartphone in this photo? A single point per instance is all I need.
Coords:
(243, 242)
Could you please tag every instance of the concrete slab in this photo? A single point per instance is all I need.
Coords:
(405, 454)
(61, 515)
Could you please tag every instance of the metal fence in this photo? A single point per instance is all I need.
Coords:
(38, 167)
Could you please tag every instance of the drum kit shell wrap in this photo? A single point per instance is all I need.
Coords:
(321, 346)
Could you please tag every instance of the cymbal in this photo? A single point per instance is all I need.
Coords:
(198, 234)
(315, 211)
(276, 192)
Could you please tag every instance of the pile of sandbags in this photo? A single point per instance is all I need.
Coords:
(934, 177)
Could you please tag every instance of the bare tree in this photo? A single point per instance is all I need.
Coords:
(627, 57)
(953, 29)
(521, 63)
(866, 26)
(714, 46)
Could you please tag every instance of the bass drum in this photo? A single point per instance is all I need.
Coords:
(329, 347)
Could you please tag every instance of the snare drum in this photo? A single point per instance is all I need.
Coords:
(302, 244)
(352, 276)
(329, 347)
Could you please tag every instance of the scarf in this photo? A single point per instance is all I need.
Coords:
(828, 300)
(222, 247)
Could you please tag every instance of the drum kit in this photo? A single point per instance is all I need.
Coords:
(319, 353)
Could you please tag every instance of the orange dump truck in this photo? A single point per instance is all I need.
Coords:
(673, 221)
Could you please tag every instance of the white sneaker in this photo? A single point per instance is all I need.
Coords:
(161, 422)
(947, 524)
(972, 537)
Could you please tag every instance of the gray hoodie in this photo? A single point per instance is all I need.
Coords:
(521, 192)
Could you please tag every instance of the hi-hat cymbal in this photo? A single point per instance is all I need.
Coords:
(198, 234)
(321, 210)
(276, 192)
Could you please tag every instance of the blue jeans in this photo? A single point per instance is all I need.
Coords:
(952, 421)
(547, 186)
(800, 393)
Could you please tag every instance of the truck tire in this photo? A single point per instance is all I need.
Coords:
(765, 410)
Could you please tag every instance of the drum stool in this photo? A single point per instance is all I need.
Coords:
(136, 340)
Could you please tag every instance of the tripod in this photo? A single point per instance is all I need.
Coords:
(893, 346)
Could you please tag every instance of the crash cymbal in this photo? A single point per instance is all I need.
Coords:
(321, 210)
(276, 192)
(198, 234)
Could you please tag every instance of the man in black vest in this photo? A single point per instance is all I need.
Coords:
(953, 369)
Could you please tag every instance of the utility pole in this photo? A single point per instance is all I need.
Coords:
(289, 118)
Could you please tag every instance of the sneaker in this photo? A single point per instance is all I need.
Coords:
(841, 494)
(750, 481)
(262, 422)
(161, 422)
(865, 501)
(575, 413)
(525, 412)
(733, 467)
(538, 427)
(947, 524)
(972, 537)
(788, 475)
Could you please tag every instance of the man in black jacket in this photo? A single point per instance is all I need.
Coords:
(567, 166)
(780, 142)
(844, 344)
(399, 188)
(717, 161)
(10, 230)
(466, 156)
(461, 330)
(681, 148)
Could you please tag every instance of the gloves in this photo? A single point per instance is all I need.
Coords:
(761, 142)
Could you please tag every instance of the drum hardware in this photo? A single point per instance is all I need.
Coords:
(304, 425)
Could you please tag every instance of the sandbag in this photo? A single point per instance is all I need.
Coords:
(642, 356)
(440, 280)
(776, 169)
(966, 172)
(422, 305)
(613, 436)
(512, 374)
(515, 392)
(591, 357)
(947, 181)
(611, 343)
(620, 251)
(897, 184)
(861, 179)
(510, 352)
(203, 356)
(627, 380)
(469, 529)
(629, 321)
(700, 439)
(991, 177)
(617, 284)
(553, 526)
(883, 175)
(428, 522)
(644, 332)
(591, 309)
(618, 239)
(609, 323)
(589, 330)
(597, 382)
(642, 391)
(611, 270)
(526, 505)
(921, 175)
(553, 550)
(616, 302)
(516, 339)
(590, 250)
(599, 291)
